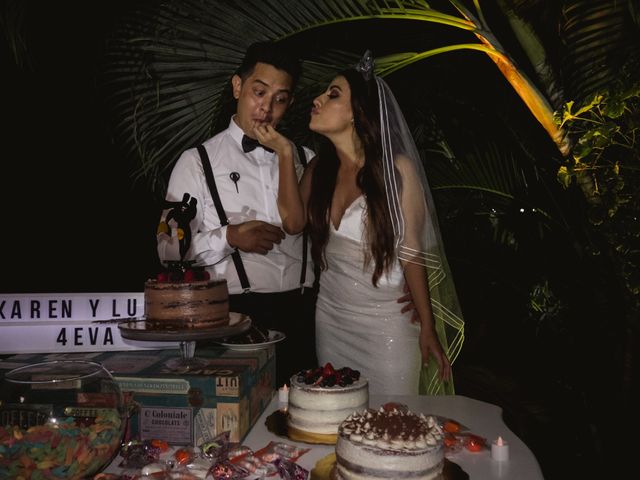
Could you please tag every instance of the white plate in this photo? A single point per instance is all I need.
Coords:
(274, 337)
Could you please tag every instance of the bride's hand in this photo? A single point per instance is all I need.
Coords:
(270, 137)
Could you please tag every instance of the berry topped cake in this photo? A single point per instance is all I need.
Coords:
(389, 443)
(183, 297)
(320, 399)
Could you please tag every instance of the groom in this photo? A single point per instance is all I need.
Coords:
(237, 230)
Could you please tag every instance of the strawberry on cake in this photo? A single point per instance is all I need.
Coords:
(185, 298)
(320, 399)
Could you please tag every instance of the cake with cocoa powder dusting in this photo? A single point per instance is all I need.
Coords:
(389, 444)
(320, 399)
(185, 298)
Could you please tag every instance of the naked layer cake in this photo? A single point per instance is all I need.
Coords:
(188, 299)
(320, 399)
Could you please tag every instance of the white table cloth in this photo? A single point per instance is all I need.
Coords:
(481, 418)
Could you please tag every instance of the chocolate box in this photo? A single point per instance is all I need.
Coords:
(189, 407)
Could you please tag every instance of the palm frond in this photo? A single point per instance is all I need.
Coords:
(600, 37)
(13, 15)
(498, 189)
(533, 46)
(524, 87)
(168, 67)
(489, 170)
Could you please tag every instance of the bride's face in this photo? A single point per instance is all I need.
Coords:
(331, 113)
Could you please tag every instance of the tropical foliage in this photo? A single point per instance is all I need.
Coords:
(168, 65)
(605, 164)
(552, 198)
(494, 174)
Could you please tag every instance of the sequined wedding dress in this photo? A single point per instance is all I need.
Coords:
(359, 325)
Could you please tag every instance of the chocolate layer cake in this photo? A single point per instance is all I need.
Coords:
(186, 304)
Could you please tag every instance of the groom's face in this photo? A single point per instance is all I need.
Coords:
(263, 97)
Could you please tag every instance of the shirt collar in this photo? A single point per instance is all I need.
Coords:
(236, 132)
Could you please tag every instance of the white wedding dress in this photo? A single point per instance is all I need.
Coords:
(359, 325)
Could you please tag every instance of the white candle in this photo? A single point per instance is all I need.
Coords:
(500, 450)
(283, 394)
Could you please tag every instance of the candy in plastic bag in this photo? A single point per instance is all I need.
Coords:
(290, 470)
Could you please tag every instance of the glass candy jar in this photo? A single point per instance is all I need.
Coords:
(59, 420)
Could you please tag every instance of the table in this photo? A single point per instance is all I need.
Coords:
(483, 419)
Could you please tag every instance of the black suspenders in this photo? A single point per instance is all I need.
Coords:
(237, 260)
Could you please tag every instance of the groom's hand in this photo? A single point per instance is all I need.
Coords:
(254, 236)
(407, 299)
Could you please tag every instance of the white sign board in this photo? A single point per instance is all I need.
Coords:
(70, 322)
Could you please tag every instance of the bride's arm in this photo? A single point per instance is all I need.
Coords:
(290, 204)
(416, 278)
(293, 203)
(305, 185)
(412, 255)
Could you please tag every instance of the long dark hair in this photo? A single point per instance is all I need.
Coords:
(370, 179)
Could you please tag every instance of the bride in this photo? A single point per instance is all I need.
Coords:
(371, 218)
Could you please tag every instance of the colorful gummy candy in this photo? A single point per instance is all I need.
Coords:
(60, 450)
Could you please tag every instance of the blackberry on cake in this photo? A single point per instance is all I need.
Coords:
(321, 398)
(184, 297)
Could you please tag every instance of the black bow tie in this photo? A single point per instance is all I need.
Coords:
(249, 144)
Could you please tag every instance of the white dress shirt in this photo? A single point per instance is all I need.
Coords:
(252, 197)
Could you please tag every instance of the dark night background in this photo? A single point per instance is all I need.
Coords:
(73, 221)
(61, 159)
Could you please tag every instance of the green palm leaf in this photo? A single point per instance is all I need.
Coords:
(168, 68)
(497, 173)
(600, 38)
(586, 45)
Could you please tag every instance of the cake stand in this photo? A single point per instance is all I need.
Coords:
(140, 329)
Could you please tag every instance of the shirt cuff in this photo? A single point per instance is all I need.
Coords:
(218, 241)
